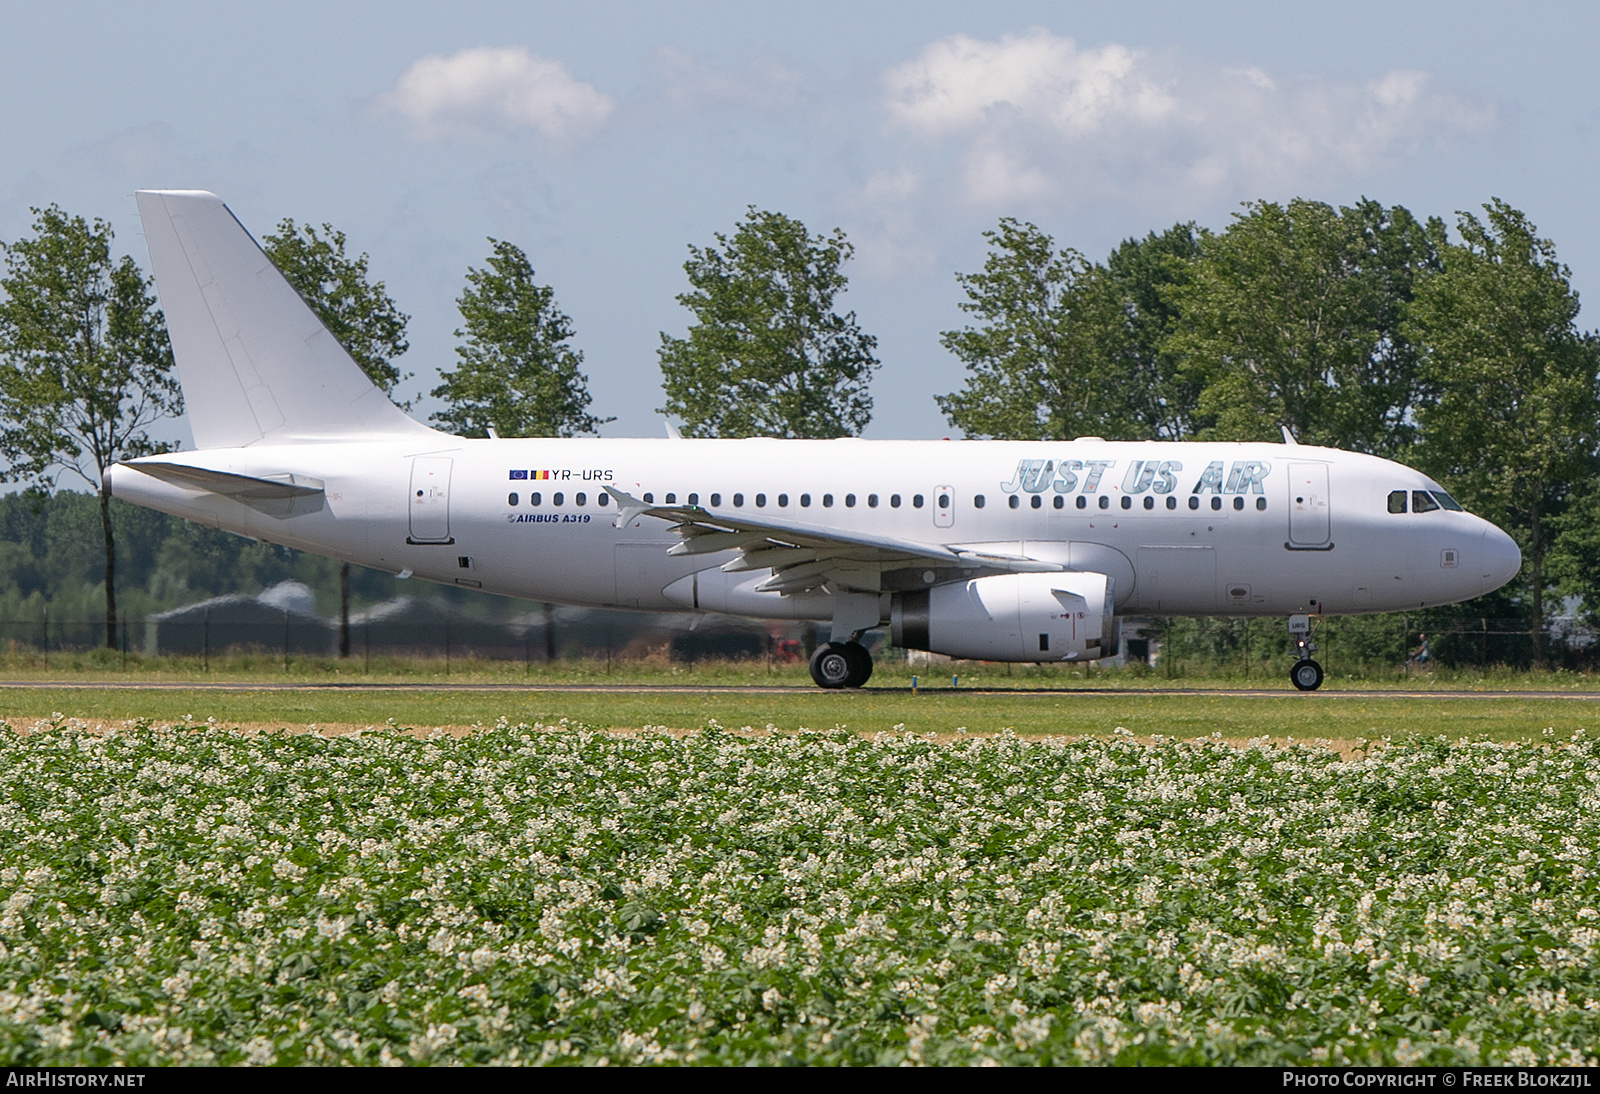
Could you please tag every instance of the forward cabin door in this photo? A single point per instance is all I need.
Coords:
(1308, 505)
(430, 500)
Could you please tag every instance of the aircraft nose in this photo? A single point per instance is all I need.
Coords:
(1501, 559)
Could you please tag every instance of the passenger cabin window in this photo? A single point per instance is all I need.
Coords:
(1172, 502)
(602, 499)
(555, 499)
(1083, 502)
(850, 500)
(1105, 502)
(1447, 501)
(872, 501)
(827, 501)
(650, 499)
(738, 501)
(511, 499)
(1038, 502)
(581, 498)
(916, 501)
(1016, 502)
(1397, 501)
(1194, 501)
(1422, 502)
(1127, 502)
(1061, 502)
(716, 499)
(977, 502)
(694, 499)
(533, 499)
(1149, 503)
(761, 501)
(783, 501)
(894, 501)
(805, 501)
(672, 499)
(1216, 503)
(1238, 503)
(1261, 504)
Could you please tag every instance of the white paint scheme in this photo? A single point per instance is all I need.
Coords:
(299, 449)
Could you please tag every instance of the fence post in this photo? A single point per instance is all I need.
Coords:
(124, 643)
(206, 636)
(286, 640)
(367, 641)
(45, 638)
(447, 638)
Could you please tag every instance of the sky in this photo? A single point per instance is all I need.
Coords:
(606, 138)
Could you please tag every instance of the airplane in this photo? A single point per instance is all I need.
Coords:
(1019, 551)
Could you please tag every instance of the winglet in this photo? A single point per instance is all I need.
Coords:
(1288, 438)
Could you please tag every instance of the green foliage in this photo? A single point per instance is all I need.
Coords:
(518, 376)
(1514, 424)
(357, 312)
(524, 894)
(1066, 348)
(767, 355)
(85, 367)
(1293, 317)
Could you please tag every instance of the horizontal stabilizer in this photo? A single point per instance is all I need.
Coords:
(243, 487)
(256, 364)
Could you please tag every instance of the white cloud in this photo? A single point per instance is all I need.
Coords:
(1035, 118)
(961, 82)
(497, 91)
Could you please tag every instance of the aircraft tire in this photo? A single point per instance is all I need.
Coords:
(1306, 675)
(860, 664)
(832, 665)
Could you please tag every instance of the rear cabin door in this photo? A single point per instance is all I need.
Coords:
(1308, 505)
(430, 500)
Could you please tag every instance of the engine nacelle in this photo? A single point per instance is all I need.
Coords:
(1012, 617)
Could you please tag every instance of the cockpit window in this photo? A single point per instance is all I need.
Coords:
(1447, 501)
(1397, 501)
(1422, 502)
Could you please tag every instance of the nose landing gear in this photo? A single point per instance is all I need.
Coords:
(841, 665)
(1305, 674)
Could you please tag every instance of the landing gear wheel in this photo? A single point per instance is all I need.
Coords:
(1305, 675)
(831, 666)
(860, 664)
(841, 665)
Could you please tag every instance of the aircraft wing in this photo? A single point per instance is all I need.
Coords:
(805, 556)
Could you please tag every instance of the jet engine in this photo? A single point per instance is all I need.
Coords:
(1011, 617)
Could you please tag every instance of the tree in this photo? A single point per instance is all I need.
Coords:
(1292, 317)
(518, 377)
(85, 366)
(1067, 348)
(767, 356)
(1513, 427)
(359, 313)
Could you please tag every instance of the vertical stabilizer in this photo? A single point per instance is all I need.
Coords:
(256, 364)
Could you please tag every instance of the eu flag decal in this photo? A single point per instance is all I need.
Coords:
(519, 474)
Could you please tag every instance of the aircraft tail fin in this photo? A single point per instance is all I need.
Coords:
(256, 364)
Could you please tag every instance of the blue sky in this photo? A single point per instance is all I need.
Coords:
(604, 138)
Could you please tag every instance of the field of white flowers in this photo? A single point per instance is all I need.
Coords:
(556, 895)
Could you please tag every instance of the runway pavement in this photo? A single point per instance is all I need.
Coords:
(685, 689)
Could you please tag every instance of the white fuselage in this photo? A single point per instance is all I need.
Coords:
(1181, 528)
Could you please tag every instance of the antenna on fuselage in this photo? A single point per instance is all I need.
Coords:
(672, 431)
(1288, 438)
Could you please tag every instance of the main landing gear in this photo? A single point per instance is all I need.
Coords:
(841, 665)
(1305, 673)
